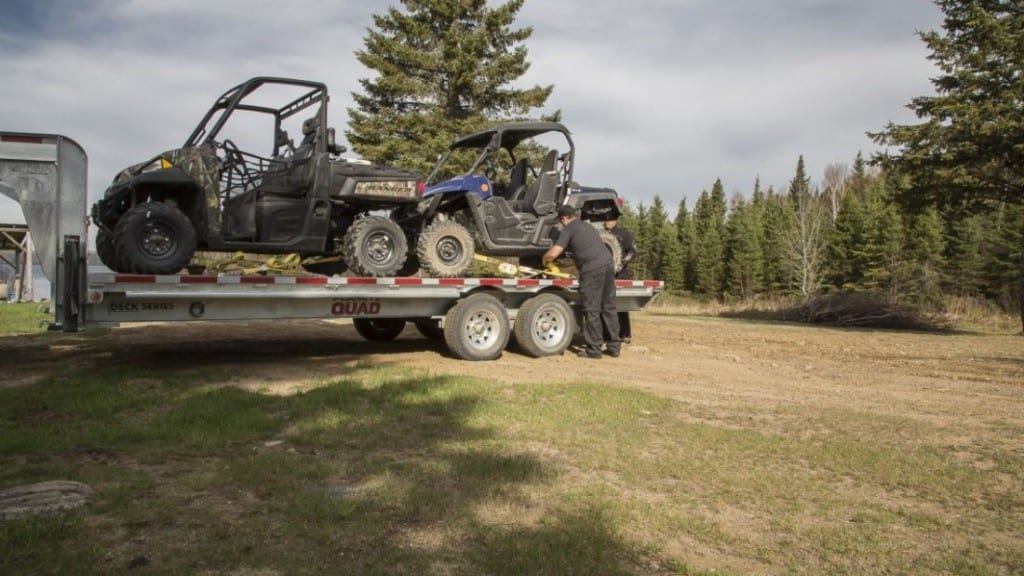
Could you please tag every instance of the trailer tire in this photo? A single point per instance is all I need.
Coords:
(544, 326)
(429, 328)
(379, 329)
(106, 251)
(477, 328)
(375, 246)
(445, 249)
(154, 238)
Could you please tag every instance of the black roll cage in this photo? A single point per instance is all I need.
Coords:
(232, 100)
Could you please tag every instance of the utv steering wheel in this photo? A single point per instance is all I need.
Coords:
(234, 160)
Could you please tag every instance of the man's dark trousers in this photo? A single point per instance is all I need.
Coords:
(597, 289)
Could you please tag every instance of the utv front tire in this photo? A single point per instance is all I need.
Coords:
(445, 250)
(154, 238)
(375, 246)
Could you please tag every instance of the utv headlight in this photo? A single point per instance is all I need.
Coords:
(156, 164)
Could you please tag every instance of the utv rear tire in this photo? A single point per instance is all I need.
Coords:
(445, 250)
(379, 329)
(375, 246)
(154, 238)
(106, 252)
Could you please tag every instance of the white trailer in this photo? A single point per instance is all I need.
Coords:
(476, 317)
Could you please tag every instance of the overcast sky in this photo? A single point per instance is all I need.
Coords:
(662, 96)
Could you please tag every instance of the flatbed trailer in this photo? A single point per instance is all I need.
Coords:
(475, 317)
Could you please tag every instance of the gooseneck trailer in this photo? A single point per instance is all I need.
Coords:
(47, 174)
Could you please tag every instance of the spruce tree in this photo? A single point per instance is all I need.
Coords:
(847, 260)
(709, 221)
(443, 69)
(744, 254)
(1005, 244)
(968, 150)
(687, 235)
(657, 220)
(923, 268)
(965, 258)
(778, 220)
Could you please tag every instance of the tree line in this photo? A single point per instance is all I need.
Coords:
(846, 233)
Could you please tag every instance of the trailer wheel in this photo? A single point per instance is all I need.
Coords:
(429, 328)
(105, 250)
(544, 326)
(379, 329)
(154, 238)
(375, 246)
(476, 328)
(445, 249)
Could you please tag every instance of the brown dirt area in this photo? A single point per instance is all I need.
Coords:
(969, 384)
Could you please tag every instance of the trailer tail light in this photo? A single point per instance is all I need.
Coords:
(421, 187)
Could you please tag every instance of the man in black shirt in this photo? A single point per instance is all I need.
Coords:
(628, 253)
(597, 280)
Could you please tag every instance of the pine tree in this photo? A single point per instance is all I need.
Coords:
(846, 263)
(800, 184)
(965, 259)
(444, 69)
(744, 254)
(657, 221)
(922, 270)
(687, 235)
(884, 250)
(672, 264)
(968, 149)
(709, 221)
(778, 220)
(1005, 244)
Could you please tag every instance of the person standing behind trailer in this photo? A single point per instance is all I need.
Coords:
(628, 245)
(597, 281)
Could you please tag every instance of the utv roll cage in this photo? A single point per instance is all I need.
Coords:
(216, 117)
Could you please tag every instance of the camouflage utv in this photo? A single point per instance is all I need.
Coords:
(214, 194)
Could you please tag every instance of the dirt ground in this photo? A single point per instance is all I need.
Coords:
(969, 384)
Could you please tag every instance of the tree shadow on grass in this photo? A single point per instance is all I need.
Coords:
(369, 474)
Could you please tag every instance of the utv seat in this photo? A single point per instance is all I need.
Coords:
(516, 181)
(291, 175)
(539, 198)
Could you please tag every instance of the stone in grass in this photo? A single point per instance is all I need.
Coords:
(43, 498)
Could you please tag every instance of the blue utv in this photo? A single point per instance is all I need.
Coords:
(505, 203)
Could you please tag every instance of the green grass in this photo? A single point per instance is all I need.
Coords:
(23, 318)
(389, 471)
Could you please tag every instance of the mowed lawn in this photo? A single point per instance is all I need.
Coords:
(392, 470)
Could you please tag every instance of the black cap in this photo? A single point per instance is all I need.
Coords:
(566, 210)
